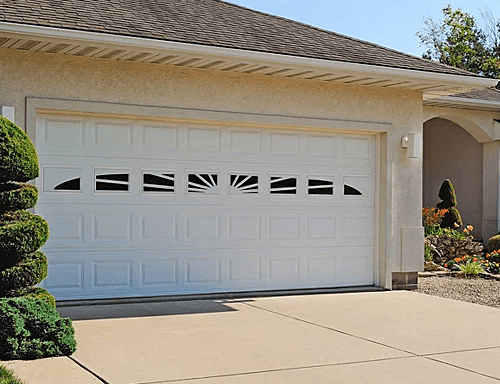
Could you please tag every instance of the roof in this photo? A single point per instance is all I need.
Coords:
(211, 23)
(490, 94)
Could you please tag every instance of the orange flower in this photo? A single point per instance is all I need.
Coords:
(457, 259)
(474, 259)
(487, 255)
(446, 265)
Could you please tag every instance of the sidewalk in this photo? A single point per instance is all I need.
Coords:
(379, 337)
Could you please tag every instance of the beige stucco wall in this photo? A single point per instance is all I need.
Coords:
(267, 99)
(485, 134)
(450, 152)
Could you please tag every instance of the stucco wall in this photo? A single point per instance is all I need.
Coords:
(31, 74)
(452, 153)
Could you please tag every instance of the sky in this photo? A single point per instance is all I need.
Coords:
(391, 23)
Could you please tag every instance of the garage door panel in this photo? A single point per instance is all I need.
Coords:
(139, 208)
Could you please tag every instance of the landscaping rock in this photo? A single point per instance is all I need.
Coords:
(448, 248)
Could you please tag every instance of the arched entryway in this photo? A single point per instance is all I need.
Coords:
(450, 152)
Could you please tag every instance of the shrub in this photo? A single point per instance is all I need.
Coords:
(493, 243)
(36, 293)
(19, 161)
(32, 329)
(8, 377)
(452, 218)
(471, 269)
(427, 253)
(29, 271)
(22, 232)
(16, 196)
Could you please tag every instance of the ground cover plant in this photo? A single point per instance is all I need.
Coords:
(8, 377)
(30, 326)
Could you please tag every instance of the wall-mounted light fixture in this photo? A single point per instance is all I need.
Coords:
(412, 143)
(7, 112)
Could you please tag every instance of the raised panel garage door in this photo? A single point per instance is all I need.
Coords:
(141, 208)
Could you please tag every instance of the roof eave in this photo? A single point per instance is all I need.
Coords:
(463, 103)
(99, 45)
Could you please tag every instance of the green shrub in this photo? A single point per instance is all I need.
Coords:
(471, 269)
(29, 271)
(16, 196)
(427, 253)
(8, 377)
(452, 218)
(38, 293)
(22, 232)
(493, 243)
(19, 161)
(447, 195)
(32, 329)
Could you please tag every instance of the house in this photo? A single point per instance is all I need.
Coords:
(196, 146)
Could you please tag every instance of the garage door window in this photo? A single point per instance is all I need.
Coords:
(112, 181)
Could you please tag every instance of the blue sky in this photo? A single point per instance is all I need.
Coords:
(390, 23)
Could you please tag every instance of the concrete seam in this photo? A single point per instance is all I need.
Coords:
(462, 368)
(88, 370)
(458, 351)
(276, 370)
(334, 329)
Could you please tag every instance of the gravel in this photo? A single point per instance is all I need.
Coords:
(474, 290)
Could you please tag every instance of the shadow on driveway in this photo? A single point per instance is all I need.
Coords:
(117, 311)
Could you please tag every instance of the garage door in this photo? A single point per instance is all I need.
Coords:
(141, 208)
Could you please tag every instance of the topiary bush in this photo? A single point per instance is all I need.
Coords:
(493, 243)
(16, 196)
(19, 160)
(32, 329)
(452, 218)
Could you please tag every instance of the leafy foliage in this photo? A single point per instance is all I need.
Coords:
(17, 196)
(27, 272)
(19, 160)
(32, 329)
(8, 377)
(458, 41)
(471, 269)
(22, 232)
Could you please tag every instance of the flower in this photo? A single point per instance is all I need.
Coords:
(474, 259)
(488, 255)
(446, 265)
(470, 228)
(457, 259)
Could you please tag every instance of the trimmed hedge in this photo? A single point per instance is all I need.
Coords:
(32, 329)
(22, 232)
(17, 196)
(19, 161)
(29, 271)
(34, 293)
(493, 243)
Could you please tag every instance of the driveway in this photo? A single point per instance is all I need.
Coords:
(376, 337)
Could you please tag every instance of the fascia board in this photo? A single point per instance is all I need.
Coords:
(455, 81)
(464, 102)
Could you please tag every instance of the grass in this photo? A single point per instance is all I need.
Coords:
(8, 377)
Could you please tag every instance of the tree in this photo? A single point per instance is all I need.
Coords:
(459, 42)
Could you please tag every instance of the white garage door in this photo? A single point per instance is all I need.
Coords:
(140, 208)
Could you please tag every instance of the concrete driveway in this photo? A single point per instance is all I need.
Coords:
(377, 337)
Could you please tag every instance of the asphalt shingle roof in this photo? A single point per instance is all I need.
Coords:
(490, 94)
(212, 23)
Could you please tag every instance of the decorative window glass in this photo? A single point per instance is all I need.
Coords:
(69, 185)
(351, 191)
(358, 185)
(108, 181)
(283, 185)
(203, 183)
(243, 184)
(317, 185)
(158, 182)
